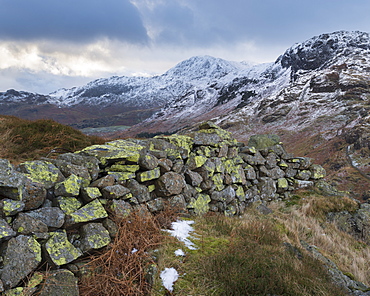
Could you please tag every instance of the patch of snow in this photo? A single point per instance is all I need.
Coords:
(179, 252)
(169, 276)
(181, 229)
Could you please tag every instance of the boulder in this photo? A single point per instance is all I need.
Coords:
(111, 152)
(193, 178)
(195, 161)
(271, 161)
(68, 204)
(89, 162)
(70, 186)
(120, 208)
(11, 182)
(267, 188)
(42, 172)
(90, 193)
(115, 192)
(26, 224)
(138, 191)
(200, 204)
(69, 169)
(178, 202)
(165, 165)
(10, 207)
(6, 232)
(34, 194)
(93, 236)
(317, 172)
(108, 180)
(59, 250)
(92, 211)
(155, 205)
(263, 141)
(60, 282)
(22, 256)
(148, 175)
(148, 162)
(207, 139)
(170, 184)
(53, 217)
(303, 175)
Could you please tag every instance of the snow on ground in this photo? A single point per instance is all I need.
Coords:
(169, 276)
(181, 230)
(179, 252)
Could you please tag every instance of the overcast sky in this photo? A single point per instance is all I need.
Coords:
(49, 44)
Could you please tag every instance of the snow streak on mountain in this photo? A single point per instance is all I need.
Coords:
(327, 75)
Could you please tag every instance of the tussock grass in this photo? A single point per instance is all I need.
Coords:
(22, 139)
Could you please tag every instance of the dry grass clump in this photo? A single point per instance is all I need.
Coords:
(306, 221)
(22, 139)
(124, 267)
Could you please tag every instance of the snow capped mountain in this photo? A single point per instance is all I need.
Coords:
(148, 91)
(123, 100)
(325, 76)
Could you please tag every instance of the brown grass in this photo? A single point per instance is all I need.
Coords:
(120, 271)
(306, 222)
(22, 139)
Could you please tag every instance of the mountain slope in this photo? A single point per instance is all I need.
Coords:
(316, 96)
(325, 75)
(119, 100)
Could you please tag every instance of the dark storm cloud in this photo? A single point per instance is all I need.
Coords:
(210, 22)
(81, 20)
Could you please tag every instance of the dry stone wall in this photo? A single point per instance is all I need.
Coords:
(56, 210)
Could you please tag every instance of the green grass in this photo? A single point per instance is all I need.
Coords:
(244, 256)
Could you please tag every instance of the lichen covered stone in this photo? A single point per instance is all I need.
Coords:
(22, 256)
(149, 175)
(115, 151)
(11, 207)
(6, 232)
(200, 204)
(317, 171)
(59, 250)
(263, 141)
(68, 204)
(94, 236)
(90, 193)
(42, 171)
(94, 210)
(69, 187)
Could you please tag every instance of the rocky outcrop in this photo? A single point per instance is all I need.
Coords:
(54, 211)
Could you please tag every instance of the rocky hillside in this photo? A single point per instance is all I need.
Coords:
(315, 96)
(324, 76)
(119, 100)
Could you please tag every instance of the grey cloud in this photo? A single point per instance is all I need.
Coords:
(208, 22)
(82, 20)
